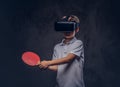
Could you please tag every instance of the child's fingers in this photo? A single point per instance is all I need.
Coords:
(42, 67)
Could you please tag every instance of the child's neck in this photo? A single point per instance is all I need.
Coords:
(67, 40)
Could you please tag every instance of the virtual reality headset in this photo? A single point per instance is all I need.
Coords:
(65, 26)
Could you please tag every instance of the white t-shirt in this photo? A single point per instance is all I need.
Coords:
(70, 74)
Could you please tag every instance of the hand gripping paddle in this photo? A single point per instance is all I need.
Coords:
(30, 58)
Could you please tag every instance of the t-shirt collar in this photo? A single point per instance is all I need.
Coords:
(70, 42)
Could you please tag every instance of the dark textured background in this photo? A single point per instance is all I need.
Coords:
(27, 25)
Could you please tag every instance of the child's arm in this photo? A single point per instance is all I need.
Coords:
(68, 58)
(53, 67)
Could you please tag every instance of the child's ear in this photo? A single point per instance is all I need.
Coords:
(77, 29)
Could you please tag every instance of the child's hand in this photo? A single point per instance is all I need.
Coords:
(44, 64)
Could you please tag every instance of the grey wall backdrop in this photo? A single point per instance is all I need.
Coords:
(27, 25)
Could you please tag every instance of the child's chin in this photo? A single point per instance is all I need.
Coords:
(68, 37)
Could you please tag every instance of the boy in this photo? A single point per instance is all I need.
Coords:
(68, 59)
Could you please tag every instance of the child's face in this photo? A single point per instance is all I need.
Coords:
(69, 35)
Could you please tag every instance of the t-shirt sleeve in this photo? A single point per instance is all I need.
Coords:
(77, 48)
(54, 56)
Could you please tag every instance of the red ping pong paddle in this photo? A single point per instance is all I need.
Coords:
(30, 58)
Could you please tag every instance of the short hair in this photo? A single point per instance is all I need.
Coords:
(71, 18)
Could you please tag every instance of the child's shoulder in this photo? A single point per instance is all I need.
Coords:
(57, 45)
(78, 42)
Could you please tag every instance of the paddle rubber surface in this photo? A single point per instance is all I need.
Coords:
(30, 58)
